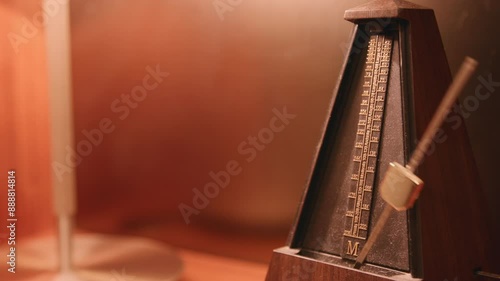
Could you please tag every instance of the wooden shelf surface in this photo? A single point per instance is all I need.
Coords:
(200, 266)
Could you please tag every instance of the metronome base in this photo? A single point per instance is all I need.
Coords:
(96, 258)
(292, 264)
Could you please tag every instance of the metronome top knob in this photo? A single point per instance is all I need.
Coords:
(383, 9)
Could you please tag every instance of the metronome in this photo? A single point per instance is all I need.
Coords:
(392, 82)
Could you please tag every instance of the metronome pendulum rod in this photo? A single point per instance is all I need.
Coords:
(395, 175)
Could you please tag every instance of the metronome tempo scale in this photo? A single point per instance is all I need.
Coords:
(392, 83)
(367, 142)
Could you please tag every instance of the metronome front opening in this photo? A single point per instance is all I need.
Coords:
(368, 126)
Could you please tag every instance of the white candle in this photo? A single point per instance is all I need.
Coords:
(58, 42)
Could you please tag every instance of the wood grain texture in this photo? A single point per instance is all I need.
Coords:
(199, 266)
(456, 237)
(287, 265)
(382, 9)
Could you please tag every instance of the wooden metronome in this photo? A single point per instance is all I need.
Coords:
(396, 73)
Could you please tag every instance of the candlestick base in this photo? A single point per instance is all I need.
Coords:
(96, 258)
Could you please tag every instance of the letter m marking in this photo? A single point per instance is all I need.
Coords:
(352, 250)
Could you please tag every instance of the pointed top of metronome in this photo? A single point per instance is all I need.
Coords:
(381, 9)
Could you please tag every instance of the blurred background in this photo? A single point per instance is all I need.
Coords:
(230, 64)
